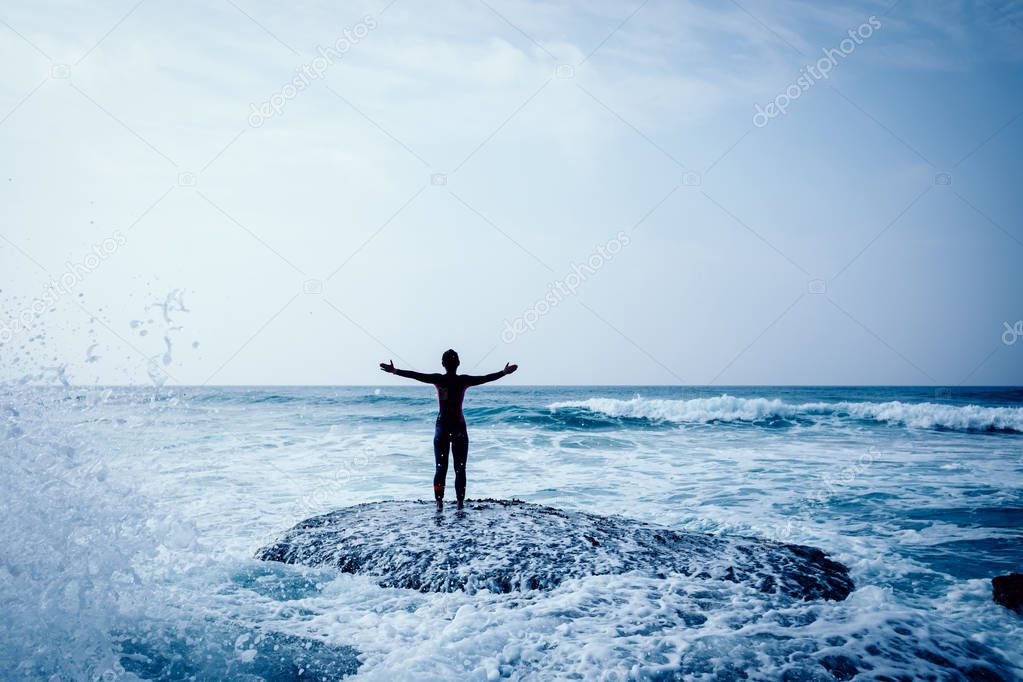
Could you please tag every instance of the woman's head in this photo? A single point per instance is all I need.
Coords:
(449, 360)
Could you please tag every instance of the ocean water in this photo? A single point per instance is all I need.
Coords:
(131, 516)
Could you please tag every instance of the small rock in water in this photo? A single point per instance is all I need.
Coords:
(507, 546)
(1007, 590)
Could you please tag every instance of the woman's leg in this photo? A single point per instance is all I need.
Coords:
(441, 443)
(460, 449)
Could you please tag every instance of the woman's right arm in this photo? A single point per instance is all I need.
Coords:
(407, 373)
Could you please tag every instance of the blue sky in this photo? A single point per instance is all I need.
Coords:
(453, 163)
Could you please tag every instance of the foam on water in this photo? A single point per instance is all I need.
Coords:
(97, 582)
(131, 516)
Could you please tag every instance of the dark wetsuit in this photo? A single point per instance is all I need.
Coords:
(450, 433)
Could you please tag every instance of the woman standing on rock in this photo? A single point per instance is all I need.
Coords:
(450, 432)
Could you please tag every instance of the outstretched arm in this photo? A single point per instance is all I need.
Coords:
(407, 373)
(476, 381)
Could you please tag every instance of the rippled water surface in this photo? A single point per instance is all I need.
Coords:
(132, 516)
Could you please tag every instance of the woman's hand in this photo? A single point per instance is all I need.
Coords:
(389, 367)
(509, 368)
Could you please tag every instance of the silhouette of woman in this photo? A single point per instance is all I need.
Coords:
(450, 431)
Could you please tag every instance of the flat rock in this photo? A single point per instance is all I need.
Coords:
(506, 546)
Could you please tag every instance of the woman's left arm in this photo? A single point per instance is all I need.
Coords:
(486, 378)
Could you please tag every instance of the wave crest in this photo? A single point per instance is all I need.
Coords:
(726, 408)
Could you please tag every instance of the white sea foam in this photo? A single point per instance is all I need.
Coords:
(726, 408)
(242, 467)
(931, 415)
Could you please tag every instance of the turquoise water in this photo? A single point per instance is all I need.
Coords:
(132, 516)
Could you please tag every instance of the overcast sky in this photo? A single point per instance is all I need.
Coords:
(585, 188)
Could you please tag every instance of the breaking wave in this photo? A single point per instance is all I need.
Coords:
(766, 411)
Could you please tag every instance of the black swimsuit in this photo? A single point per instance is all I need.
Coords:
(450, 432)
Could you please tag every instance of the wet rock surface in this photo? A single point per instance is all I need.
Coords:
(1007, 590)
(508, 545)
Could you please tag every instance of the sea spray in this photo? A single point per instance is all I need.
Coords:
(77, 562)
(71, 539)
(225, 470)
